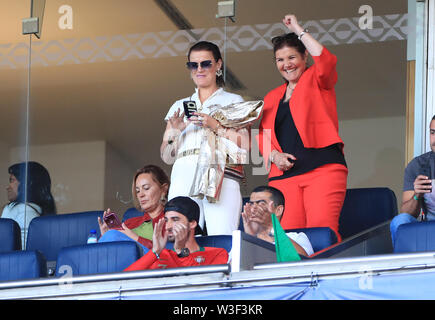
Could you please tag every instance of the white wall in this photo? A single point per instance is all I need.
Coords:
(375, 157)
(118, 179)
(77, 171)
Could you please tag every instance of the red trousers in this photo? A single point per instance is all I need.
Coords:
(315, 198)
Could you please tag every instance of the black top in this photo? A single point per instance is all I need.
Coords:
(290, 141)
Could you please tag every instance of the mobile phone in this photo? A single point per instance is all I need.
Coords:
(425, 171)
(189, 108)
(112, 221)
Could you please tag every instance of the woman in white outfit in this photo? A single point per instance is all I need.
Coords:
(182, 139)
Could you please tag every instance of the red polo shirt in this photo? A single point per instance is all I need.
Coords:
(170, 259)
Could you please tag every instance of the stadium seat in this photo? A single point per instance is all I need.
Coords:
(130, 213)
(364, 208)
(49, 234)
(96, 258)
(320, 238)
(217, 241)
(22, 265)
(415, 237)
(10, 235)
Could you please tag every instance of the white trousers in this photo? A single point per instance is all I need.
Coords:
(221, 217)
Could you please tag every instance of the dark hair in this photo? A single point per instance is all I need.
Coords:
(214, 49)
(38, 187)
(433, 118)
(288, 40)
(277, 196)
(158, 175)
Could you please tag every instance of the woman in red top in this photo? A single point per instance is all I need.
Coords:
(149, 190)
(299, 132)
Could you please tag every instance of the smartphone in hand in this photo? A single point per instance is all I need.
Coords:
(189, 108)
(113, 221)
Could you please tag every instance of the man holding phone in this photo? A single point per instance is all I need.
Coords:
(178, 226)
(418, 199)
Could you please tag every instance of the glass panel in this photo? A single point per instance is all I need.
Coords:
(105, 73)
(14, 73)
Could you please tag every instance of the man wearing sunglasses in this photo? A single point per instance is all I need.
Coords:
(256, 215)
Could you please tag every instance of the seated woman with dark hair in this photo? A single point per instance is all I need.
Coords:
(31, 201)
(149, 190)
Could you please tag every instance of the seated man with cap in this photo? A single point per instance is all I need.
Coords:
(178, 226)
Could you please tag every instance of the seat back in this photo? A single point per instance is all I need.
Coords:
(49, 234)
(320, 238)
(22, 265)
(131, 213)
(415, 237)
(105, 257)
(364, 208)
(216, 241)
(10, 235)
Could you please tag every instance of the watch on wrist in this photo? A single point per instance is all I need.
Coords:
(183, 253)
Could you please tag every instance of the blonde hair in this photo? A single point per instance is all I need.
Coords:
(158, 175)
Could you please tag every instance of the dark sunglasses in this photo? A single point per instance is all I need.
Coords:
(194, 65)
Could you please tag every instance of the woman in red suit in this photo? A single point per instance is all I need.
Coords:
(299, 132)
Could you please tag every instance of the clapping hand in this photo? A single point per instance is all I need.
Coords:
(256, 217)
(159, 239)
(180, 232)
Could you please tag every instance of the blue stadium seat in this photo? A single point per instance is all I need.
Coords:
(415, 237)
(97, 258)
(10, 235)
(131, 213)
(364, 208)
(49, 234)
(217, 241)
(22, 265)
(320, 238)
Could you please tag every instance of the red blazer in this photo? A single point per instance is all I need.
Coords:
(313, 107)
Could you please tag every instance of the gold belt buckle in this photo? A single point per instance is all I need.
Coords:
(189, 152)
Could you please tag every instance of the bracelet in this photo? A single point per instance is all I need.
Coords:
(157, 255)
(416, 198)
(302, 33)
(271, 157)
(172, 139)
(217, 127)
